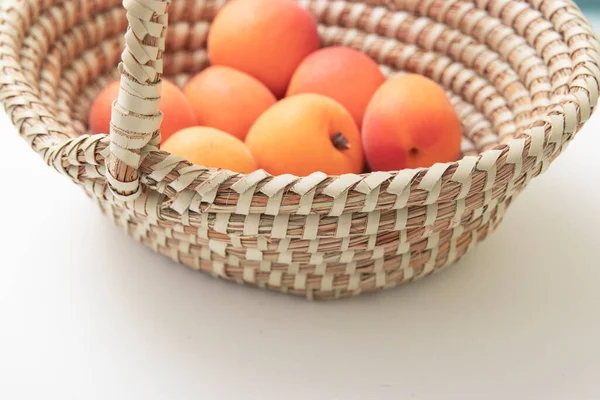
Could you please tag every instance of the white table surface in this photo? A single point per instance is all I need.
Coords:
(88, 313)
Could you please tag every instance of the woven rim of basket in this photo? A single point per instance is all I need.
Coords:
(188, 187)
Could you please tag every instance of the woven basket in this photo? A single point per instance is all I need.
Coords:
(522, 75)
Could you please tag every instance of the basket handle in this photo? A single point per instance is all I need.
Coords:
(136, 117)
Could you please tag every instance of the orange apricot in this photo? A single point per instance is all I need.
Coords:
(178, 113)
(306, 133)
(264, 38)
(210, 147)
(227, 99)
(410, 123)
(344, 74)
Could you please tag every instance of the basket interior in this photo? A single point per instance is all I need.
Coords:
(497, 82)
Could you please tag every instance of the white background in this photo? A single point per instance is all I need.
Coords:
(88, 313)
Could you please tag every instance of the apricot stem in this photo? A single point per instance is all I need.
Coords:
(340, 142)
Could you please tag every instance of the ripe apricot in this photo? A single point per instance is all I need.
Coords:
(344, 74)
(410, 123)
(178, 114)
(306, 133)
(210, 147)
(227, 99)
(264, 38)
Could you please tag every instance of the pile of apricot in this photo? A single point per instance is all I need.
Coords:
(273, 100)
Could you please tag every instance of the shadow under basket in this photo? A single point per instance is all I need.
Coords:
(523, 77)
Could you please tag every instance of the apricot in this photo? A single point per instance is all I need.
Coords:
(210, 147)
(306, 133)
(410, 123)
(264, 38)
(344, 74)
(227, 99)
(178, 113)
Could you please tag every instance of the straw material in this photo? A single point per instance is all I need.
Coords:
(523, 77)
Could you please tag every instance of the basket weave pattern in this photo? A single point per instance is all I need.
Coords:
(522, 75)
